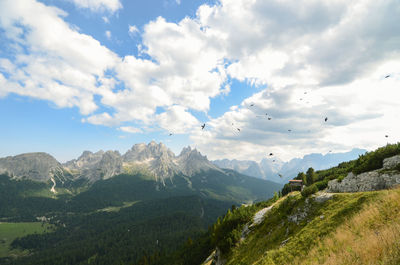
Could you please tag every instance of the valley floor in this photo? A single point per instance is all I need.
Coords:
(10, 231)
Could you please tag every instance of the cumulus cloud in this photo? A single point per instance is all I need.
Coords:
(338, 52)
(177, 120)
(99, 5)
(61, 65)
(130, 129)
(355, 119)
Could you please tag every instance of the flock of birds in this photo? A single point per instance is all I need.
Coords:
(270, 118)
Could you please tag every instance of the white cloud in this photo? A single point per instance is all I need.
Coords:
(337, 51)
(130, 129)
(177, 120)
(62, 65)
(108, 34)
(99, 5)
(178, 2)
(106, 20)
(133, 29)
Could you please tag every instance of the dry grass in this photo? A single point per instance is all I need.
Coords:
(370, 237)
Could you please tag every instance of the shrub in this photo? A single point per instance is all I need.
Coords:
(322, 184)
(374, 160)
(340, 178)
(307, 191)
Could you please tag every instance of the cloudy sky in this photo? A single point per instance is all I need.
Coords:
(262, 75)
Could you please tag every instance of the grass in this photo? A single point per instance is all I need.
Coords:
(10, 231)
(281, 241)
(372, 236)
(117, 208)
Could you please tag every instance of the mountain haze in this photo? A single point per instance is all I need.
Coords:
(270, 168)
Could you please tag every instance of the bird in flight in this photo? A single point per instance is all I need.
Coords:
(269, 118)
(170, 134)
(251, 105)
(387, 76)
(202, 126)
(386, 136)
(280, 175)
(305, 92)
(273, 160)
(326, 119)
(271, 154)
(289, 130)
(238, 129)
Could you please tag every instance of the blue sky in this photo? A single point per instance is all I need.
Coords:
(106, 74)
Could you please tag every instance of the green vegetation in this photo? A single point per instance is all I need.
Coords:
(367, 162)
(298, 223)
(117, 208)
(11, 231)
(374, 160)
(294, 226)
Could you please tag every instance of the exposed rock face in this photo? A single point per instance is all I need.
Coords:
(95, 166)
(85, 161)
(391, 162)
(154, 158)
(369, 181)
(35, 166)
(191, 162)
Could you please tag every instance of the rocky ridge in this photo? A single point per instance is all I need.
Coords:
(37, 166)
(384, 178)
(153, 158)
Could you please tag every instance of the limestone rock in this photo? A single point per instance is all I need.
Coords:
(391, 162)
(34, 166)
(368, 181)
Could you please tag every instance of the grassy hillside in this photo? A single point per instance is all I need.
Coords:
(356, 228)
(312, 227)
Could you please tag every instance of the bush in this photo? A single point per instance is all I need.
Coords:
(322, 184)
(374, 160)
(307, 191)
(340, 178)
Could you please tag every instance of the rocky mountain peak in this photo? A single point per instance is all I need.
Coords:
(36, 166)
(191, 161)
(142, 152)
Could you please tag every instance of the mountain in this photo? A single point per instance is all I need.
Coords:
(270, 168)
(158, 161)
(95, 166)
(35, 166)
(347, 214)
(118, 209)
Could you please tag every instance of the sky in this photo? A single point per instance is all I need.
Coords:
(262, 76)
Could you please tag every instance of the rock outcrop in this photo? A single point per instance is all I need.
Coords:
(34, 166)
(155, 159)
(95, 166)
(385, 178)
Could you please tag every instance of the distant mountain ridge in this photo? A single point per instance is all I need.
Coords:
(37, 166)
(270, 168)
(155, 159)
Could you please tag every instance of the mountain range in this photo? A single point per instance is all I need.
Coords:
(116, 207)
(276, 170)
(156, 159)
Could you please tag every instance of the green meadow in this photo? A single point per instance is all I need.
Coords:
(11, 231)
